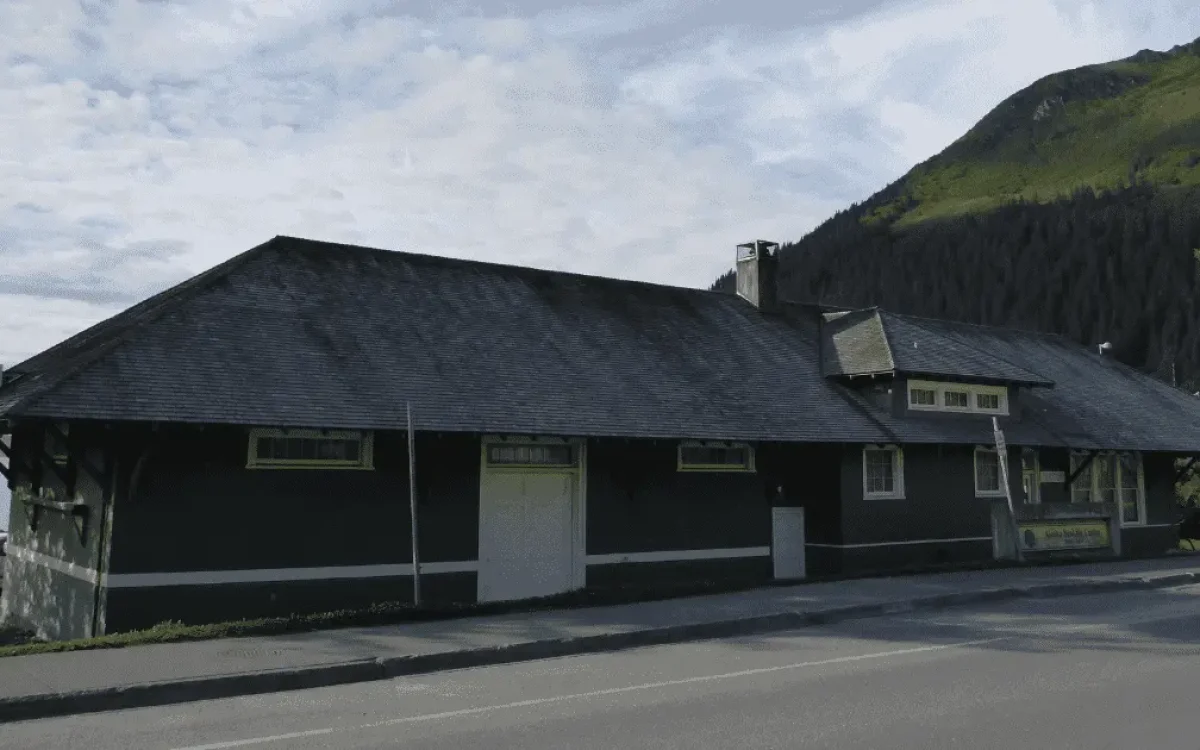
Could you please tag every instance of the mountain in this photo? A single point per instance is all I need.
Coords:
(1073, 207)
(1100, 126)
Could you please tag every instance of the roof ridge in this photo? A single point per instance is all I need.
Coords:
(524, 270)
(96, 341)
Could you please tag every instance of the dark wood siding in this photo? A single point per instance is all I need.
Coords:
(1055, 459)
(810, 477)
(1159, 478)
(637, 501)
(1155, 538)
(939, 504)
(197, 507)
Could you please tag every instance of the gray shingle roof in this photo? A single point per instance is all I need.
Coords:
(873, 341)
(303, 333)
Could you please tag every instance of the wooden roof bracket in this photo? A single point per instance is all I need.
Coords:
(77, 458)
(14, 464)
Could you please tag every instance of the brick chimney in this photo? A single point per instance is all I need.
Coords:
(756, 274)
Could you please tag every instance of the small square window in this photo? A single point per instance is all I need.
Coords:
(882, 475)
(923, 397)
(311, 449)
(531, 454)
(958, 400)
(715, 457)
(987, 401)
(987, 472)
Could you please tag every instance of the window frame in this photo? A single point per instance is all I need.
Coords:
(1078, 457)
(1036, 471)
(973, 392)
(745, 468)
(914, 404)
(897, 453)
(999, 491)
(572, 447)
(366, 449)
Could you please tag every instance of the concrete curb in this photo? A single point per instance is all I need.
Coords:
(382, 668)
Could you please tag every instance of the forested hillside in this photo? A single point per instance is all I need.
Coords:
(1073, 207)
(1119, 267)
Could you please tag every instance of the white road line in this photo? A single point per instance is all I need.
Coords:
(591, 694)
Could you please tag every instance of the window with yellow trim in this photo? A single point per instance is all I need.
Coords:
(716, 457)
(310, 449)
(532, 455)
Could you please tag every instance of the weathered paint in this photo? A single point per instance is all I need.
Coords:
(37, 597)
(54, 605)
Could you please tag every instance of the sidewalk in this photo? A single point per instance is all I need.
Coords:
(75, 682)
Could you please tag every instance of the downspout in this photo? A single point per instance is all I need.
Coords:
(102, 547)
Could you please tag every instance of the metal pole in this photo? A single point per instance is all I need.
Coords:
(1002, 457)
(412, 506)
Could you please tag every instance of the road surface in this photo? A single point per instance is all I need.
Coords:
(1110, 671)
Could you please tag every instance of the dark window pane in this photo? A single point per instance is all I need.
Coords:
(531, 455)
(704, 455)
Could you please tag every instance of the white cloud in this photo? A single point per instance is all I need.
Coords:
(868, 97)
(143, 142)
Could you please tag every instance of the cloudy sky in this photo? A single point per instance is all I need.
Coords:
(144, 141)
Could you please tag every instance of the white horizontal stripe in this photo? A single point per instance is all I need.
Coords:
(679, 555)
(907, 541)
(82, 572)
(268, 575)
(1147, 526)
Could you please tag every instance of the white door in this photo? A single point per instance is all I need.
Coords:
(787, 542)
(525, 535)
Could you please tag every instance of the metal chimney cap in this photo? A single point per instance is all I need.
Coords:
(753, 248)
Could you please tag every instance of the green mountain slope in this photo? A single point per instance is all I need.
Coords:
(1100, 126)
(1072, 207)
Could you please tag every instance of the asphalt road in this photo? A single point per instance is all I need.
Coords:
(1111, 671)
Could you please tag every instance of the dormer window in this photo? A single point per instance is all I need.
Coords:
(923, 396)
(958, 399)
(928, 395)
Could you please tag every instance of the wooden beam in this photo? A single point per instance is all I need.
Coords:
(14, 462)
(1079, 469)
(1185, 469)
(77, 459)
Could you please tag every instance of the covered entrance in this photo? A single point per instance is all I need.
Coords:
(530, 519)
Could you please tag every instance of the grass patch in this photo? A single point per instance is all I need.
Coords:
(385, 613)
(1151, 129)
